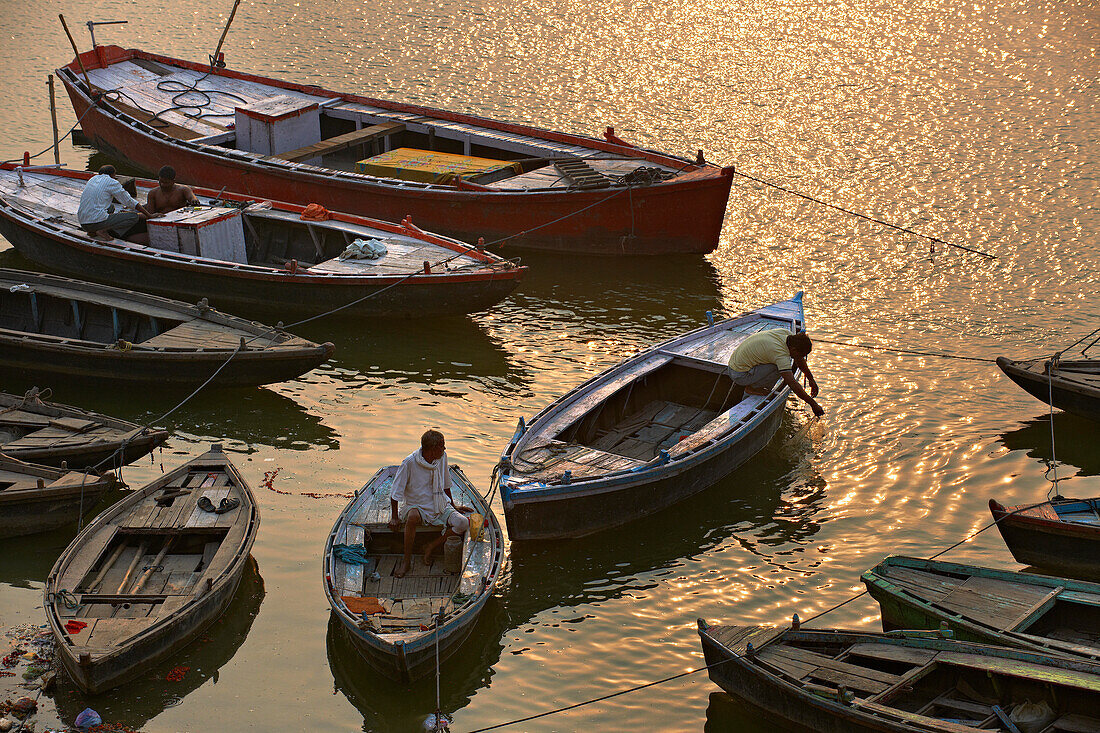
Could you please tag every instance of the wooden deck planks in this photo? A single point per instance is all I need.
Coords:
(996, 602)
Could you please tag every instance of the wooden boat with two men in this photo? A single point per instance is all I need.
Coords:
(1059, 536)
(1040, 613)
(458, 174)
(906, 682)
(52, 434)
(150, 573)
(655, 429)
(256, 257)
(55, 328)
(1072, 384)
(402, 626)
(36, 498)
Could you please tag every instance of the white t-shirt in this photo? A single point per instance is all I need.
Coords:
(97, 196)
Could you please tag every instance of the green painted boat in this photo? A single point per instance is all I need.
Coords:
(904, 682)
(1039, 613)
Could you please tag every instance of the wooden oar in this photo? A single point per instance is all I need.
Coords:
(106, 566)
(133, 564)
(149, 570)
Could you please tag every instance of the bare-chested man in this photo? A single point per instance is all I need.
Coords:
(169, 195)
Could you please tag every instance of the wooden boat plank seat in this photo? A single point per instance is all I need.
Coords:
(827, 669)
(342, 142)
(1001, 602)
(919, 721)
(1019, 668)
(929, 585)
(892, 653)
(199, 334)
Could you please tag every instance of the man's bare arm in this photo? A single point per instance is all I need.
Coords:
(788, 377)
(805, 369)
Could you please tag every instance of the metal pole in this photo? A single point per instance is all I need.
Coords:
(53, 117)
(79, 60)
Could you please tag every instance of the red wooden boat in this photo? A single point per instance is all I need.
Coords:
(1060, 536)
(462, 175)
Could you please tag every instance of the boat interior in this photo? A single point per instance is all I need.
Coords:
(955, 687)
(635, 423)
(413, 148)
(158, 549)
(1082, 511)
(252, 235)
(44, 314)
(392, 605)
(23, 430)
(1005, 605)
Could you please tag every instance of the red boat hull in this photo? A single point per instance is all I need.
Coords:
(682, 215)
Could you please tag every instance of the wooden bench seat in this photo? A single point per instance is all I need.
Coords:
(341, 142)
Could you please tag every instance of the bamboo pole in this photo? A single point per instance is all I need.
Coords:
(225, 32)
(79, 60)
(133, 564)
(53, 117)
(152, 568)
(106, 566)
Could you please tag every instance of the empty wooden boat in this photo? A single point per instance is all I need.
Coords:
(459, 174)
(50, 434)
(1034, 612)
(37, 498)
(393, 622)
(1060, 536)
(251, 258)
(1073, 385)
(653, 430)
(149, 574)
(840, 682)
(54, 328)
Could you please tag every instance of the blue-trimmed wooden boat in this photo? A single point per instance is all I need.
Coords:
(1039, 613)
(1073, 385)
(398, 637)
(852, 682)
(1060, 535)
(641, 436)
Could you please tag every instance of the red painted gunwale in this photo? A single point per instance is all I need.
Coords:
(681, 215)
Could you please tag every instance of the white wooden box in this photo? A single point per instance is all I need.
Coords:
(213, 232)
(277, 124)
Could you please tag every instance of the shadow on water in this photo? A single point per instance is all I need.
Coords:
(727, 714)
(769, 502)
(431, 351)
(597, 293)
(1077, 441)
(390, 706)
(139, 701)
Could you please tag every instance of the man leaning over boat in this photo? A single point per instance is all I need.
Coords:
(766, 356)
(421, 494)
(95, 215)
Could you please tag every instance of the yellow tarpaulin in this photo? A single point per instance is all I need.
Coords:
(426, 166)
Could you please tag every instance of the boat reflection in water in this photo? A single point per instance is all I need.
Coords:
(1077, 441)
(770, 501)
(389, 705)
(151, 694)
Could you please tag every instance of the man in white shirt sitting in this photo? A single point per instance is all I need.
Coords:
(94, 212)
(421, 494)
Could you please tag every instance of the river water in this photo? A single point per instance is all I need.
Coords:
(977, 123)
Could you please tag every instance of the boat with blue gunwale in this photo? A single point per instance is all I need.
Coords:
(904, 682)
(1061, 535)
(1039, 613)
(643, 435)
(403, 626)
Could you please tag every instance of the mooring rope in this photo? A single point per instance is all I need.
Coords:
(907, 230)
(872, 347)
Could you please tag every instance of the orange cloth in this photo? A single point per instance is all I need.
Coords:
(368, 605)
(316, 212)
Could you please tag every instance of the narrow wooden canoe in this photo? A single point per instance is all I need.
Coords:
(1060, 536)
(37, 498)
(458, 174)
(54, 328)
(287, 267)
(400, 638)
(653, 430)
(1074, 385)
(151, 573)
(845, 682)
(49, 433)
(1039, 613)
